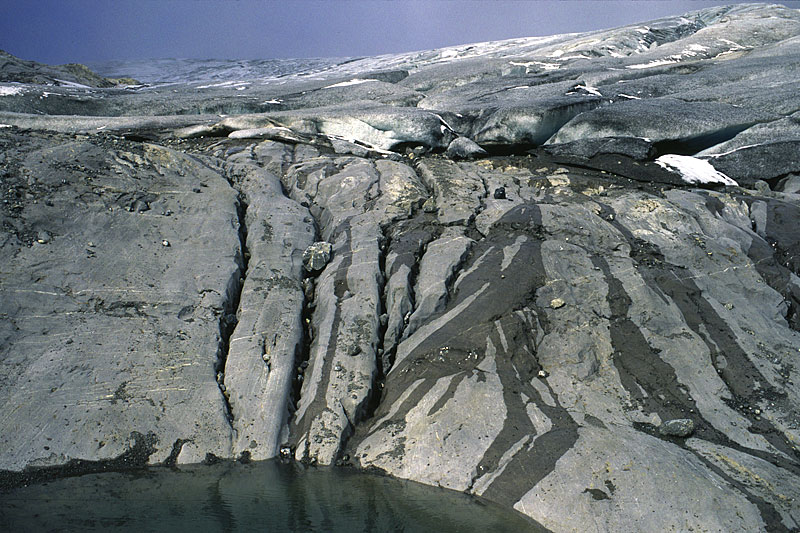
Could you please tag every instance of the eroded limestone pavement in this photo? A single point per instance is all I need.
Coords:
(584, 324)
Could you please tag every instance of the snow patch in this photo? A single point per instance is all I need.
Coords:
(72, 84)
(567, 58)
(588, 89)
(221, 84)
(445, 125)
(6, 90)
(693, 170)
(628, 96)
(540, 64)
(657, 63)
(5, 125)
(354, 81)
(274, 101)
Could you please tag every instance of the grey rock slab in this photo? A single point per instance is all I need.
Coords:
(458, 194)
(790, 184)
(439, 265)
(592, 488)
(660, 119)
(464, 148)
(633, 147)
(114, 337)
(342, 361)
(382, 127)
(401, 191)
(260, 365)
(578, 362)
(86, 125)
(758, 477)
(446, 446)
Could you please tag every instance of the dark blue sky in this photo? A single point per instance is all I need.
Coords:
(62, 31)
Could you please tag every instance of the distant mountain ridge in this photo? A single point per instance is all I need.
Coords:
(14, 69)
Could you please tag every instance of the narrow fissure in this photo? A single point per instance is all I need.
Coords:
(379, 379)
(303, 351)
(309, 285)
(229, 318)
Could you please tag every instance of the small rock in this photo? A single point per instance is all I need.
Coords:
(420, 150)
(165, 243)
(500, 193)
(556, 303)
(679, 427)
(317, 256)
(286, 452)
(761, 187)
(464, 148)
(308, 288)
(429, 206)
(542, 374)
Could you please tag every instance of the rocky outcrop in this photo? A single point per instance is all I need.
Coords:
(557, 273)
(13, 69)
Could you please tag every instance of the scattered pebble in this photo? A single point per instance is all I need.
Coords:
(679, 427)
(165, 243)
(556, 303)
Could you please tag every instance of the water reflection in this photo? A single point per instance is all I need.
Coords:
(267, 496)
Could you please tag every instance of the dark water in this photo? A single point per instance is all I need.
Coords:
(267, 496)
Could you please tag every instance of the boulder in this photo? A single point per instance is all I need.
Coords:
(317, 256)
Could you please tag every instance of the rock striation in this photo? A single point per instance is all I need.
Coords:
(561, 274)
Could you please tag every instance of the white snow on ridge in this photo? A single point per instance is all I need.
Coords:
(6, 90)
(71, 84)
(693, 170)
(354, 81)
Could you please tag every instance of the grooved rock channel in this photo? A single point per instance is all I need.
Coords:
(528, 320)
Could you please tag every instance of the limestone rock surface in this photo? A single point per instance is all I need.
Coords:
(589, 313)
